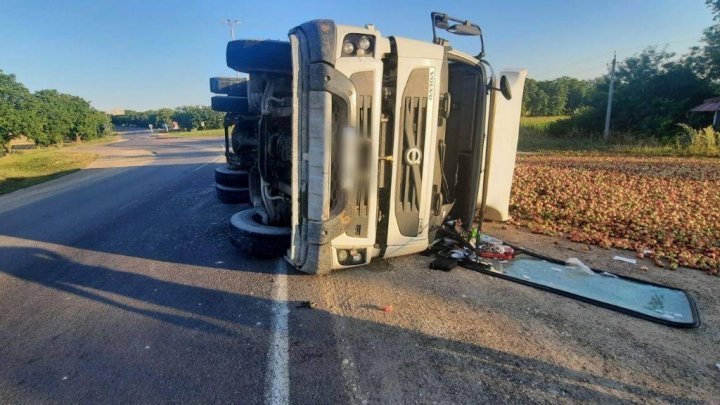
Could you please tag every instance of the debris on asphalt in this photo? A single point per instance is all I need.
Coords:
(487, 239)
(644, 268)
(443, 263)
(625, 259)
(717, 366)
(387, 308)
(308, 304)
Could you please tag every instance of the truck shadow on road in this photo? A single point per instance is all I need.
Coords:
(371, 361)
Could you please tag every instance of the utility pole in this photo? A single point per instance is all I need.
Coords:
(606, 133)
(231, 24)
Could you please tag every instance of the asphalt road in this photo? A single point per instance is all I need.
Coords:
(118, 285)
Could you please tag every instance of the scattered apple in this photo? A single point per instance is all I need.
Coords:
(664, 208)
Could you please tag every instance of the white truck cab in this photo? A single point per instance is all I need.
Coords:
(358, 146)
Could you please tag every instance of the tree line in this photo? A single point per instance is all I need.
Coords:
(187, 117)
(654, 91)
(47, 117)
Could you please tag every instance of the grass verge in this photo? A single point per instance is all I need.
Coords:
(191, 134)
(27, 168)
(534, 137)
(98, 141)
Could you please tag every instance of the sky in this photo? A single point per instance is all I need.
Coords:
(146, 54)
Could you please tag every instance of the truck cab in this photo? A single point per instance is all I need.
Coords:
(358, 145)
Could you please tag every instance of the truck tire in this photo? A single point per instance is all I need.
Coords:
(232, 195)
(228, 177)
(253, 238)
(259, 56)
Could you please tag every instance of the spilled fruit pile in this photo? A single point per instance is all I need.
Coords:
(663, 208)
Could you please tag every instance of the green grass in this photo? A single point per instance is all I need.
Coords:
(534, 137)
(191, 134)
(540, 123)
(23, 169)
(98, 141)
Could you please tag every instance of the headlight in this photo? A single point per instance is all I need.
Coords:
(351, 256)
(364, 43)
(358, 45)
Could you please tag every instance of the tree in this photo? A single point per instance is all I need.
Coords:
(578, 94)
(68, 117)
(162, 116)
(653, 93)
(534, 99)
(195, 117)
(58, 120)
(17, 111)
(705, 59)
(47, 116)
(561, 96)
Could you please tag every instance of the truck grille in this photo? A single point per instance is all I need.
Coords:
(365, 128)
(412, 130)
(414, 110)
(358, 208)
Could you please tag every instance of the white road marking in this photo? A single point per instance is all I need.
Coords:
(210, 162)
(277, 382)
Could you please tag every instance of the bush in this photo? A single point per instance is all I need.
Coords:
(704, 141)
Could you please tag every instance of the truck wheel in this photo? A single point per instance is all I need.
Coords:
(228, 177)
(252, 56)
(232, 195)
(253, 238)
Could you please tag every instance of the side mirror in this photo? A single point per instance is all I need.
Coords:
(505, 88)
(467, 29)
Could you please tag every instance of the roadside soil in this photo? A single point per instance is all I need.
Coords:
(468, 337)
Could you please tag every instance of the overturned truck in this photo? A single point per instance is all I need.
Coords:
(350, 145)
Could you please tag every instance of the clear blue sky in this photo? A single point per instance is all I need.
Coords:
(160, 53)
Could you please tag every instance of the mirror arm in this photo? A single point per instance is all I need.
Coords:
(482, 48)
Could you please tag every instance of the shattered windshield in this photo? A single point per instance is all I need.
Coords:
(663, 303)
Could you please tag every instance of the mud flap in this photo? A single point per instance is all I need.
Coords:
(643, 299)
